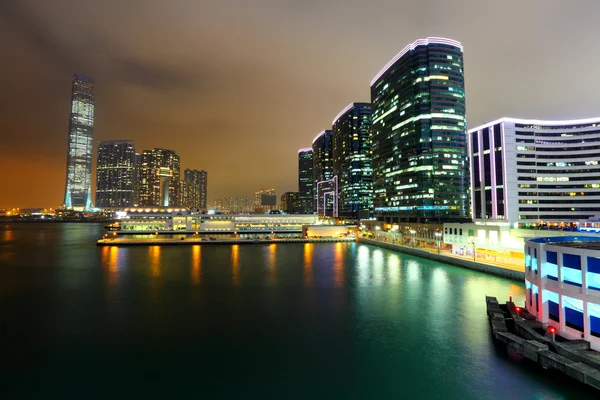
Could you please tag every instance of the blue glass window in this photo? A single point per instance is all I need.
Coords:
(573, 313)
(553, 305)
(593, 265)
(572, 261)
(551, 257)
(594, 313)
(572, 276)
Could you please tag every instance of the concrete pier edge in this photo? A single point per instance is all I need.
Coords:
(472, 265)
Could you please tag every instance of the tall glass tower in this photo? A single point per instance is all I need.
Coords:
(115, 174)
(79, 157)
(325, 188)
(352, 160)
(305, 181)
(420, 157)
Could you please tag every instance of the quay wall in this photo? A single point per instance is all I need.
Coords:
(473, 265)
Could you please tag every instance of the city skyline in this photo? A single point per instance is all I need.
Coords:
(150, 101)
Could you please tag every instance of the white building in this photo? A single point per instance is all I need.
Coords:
(562, 282)
(167, 219)
(535, 172)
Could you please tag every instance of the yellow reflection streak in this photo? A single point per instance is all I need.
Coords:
(272, 265)
(113, 265)
(154, 255)
(235, 263)
(196, 264)
(308, 259)
(338, 265)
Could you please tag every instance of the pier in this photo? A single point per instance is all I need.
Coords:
(116, 241)
(514, 327)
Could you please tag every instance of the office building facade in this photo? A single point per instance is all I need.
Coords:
(531, 172)
(420, 166)
(115, 174)
(325, 200)
(306, 186)
(290, 203)
(352, 160)
(78, 193)
(195, 184)
(159, 168)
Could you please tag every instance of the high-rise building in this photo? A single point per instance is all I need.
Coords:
(264, 200)
(78, 194)
(306, 193)
(419, 134)
(115, 174)
(352, 160)
(159, 166)
(136, 179)
(532, 172)
(325, 201)
(195, 188)
(289, 202)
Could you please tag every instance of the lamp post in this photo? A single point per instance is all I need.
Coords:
(412, 232)
(438, 236)
(377, 232)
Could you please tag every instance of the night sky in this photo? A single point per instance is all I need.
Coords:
(235, 87)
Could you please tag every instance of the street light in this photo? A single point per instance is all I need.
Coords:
(412, 232)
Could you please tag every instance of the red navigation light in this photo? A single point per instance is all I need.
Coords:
(518, 309)
(552, 330)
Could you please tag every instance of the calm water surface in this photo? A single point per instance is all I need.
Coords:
(283, 321)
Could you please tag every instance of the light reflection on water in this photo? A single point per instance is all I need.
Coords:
(348, 320)
(196, 264)
(308, 262)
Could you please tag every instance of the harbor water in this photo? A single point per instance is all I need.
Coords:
(314, 320)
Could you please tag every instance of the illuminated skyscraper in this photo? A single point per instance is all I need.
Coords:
(352, 160)
(420, 160)
(289, 202)
(115, 174)
(325, 182)
(306, 193)
(195, 188)
(79, 155)
(159, 165)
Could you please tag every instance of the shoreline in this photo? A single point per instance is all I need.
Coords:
(457, 262)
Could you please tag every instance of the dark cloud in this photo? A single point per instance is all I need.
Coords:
(237, 86)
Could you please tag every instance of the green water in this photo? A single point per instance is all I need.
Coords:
(280, 321)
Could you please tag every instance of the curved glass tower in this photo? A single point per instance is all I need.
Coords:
(352, 160)
(79, 157)
(419, 134)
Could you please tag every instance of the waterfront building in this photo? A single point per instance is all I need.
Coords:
(306, 193)
(115, 174)
(78, 193)
(168, 219)
(562, 283)
(265, 200)
(532, 172)
(352, 160)
(195, 183)
(159, 178)
(420, 170)
(325, 201)
(290, 202)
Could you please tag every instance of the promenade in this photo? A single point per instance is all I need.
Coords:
(505, 270)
